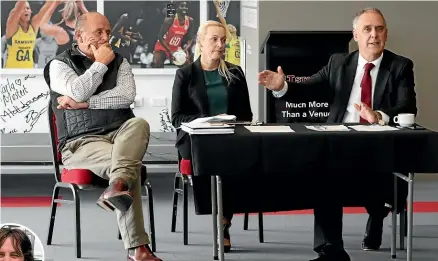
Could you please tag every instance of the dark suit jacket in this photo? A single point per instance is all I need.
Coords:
(393, 94)
(190, 100)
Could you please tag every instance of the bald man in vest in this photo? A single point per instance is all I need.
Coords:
(92, 89)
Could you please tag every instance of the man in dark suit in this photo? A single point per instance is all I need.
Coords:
(371, 85)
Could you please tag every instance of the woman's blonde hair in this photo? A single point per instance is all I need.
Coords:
(223, 69)
(72, 11)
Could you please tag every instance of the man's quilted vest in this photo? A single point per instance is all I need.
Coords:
(73, 124)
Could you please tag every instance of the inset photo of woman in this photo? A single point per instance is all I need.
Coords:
(19, 243)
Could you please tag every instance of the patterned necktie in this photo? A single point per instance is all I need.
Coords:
(366, 85)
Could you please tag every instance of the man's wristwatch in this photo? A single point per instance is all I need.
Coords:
(379, 118)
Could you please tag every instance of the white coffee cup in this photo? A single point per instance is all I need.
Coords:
(405, 119)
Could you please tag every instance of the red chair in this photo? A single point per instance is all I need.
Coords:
(76, 180)
(184, 177)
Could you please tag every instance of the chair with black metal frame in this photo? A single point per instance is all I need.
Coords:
(76, 180)
(184, 177)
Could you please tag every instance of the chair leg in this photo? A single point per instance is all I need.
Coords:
(151, 216)
(186, 210)
(176, 184)
(245, 221)
(53, 214)
(75, 191)
(77, 220)
(406, 223)
(261, 237)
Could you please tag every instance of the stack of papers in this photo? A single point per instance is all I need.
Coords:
(219, 118)
(210, 125)
(328, 127)
(373, 128)
(270, 129)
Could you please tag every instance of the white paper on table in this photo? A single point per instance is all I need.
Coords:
(271, 129)
(327, 127)
(218, 118)
(373, 128)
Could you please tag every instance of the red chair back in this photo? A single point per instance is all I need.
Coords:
(56, 155)
(75, 176)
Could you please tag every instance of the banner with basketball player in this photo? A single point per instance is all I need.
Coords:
(154, 34)
(34, 32)
(228, 13)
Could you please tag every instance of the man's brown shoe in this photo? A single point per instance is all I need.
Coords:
(142, 253)
(227, 237)
(116, 196)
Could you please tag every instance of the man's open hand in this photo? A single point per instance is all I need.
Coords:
(67, 103)
(366, 113)
(272, 80)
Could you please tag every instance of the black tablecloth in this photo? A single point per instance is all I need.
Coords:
(310, 151)
(272, 167)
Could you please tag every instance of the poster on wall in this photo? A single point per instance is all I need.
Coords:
(154, 34)
(33, 32)
(228, 13)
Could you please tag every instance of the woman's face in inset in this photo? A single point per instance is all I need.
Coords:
(8, 252)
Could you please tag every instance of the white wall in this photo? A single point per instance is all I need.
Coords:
(151, 84)
(154, 92)
(28, 117)
(31, 145)
(250, 33)
(154, 89)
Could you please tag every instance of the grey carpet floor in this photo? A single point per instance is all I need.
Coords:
(286, 237)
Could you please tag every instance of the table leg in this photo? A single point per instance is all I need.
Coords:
(402, 228)
(214, 215)
(410, 214)
(394, 221)
(220, 218)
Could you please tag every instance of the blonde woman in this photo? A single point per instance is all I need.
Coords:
(21, 31)
(207, 87)
(63, 31)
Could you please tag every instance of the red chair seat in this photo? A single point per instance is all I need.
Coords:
(185, 167)
(86, 177)
(77, 176)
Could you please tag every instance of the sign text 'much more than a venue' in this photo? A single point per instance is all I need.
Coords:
(308, 108)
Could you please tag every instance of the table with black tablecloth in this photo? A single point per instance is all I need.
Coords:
(264, 172)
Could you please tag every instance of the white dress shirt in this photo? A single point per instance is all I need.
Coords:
(81, 88)
(352, 115)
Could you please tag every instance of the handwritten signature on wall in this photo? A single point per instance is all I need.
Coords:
(166, 124)
(20, 107)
